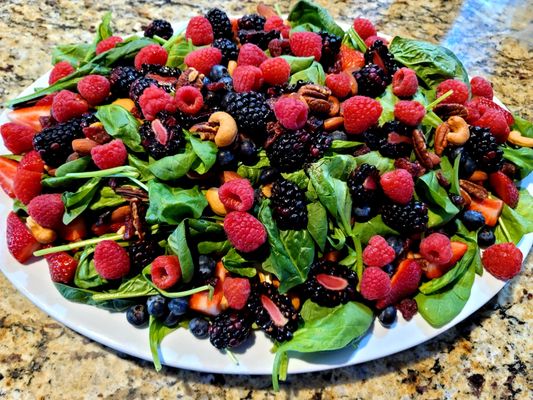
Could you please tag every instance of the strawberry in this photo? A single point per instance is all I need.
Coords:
(30, 116)
(62, 267)
(236, 292)
(20, 242)
(504, 187)
(490, 208)
(403, 283)
(200, 301)
(351, 60)
(27, 185)
(75, 231)
(17, 138)
(432, 270)
(482, 104)
(8, 170)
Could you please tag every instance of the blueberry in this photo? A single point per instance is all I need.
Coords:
(137, 315)
(247, 152)
(206, 267)
(171, 320)
(485, 237)
(389, 269)
(396, 243)
(226, 159)
(387, 316)
(268, 175)
(339, 135)
(467, 166)
(218, 72)
(157, 306)
(228, 82)
(199, 327)
(178, 306)
(459, 201)
(473, 220)
(206, 81)
(362, 213)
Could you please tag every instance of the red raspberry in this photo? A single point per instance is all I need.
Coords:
(155, 99)
(473, 112)
(460, 91)
(47, 210)
(481, 87)
(60, 70)
(369, 41)
(364, 27)
(375, 284)
(351, 59)
(247, 78)
(165, 271)
(62, 267)
(250, 54)
(291, 113)
(237, 195)
(109, 155)
(378, 253)
(20, 242)
(484, 104)
(436, 248)
(360, 113)
(67, 105)
(17, 138)
(504, 188)
(204, 59)
(108, 44)
(404, 82)
(502, 260)
(27, 185)
(200, 31)
(236, 292)
(404, 283)
(153, 54)
(341, 84)
(398, 185)
(32, 162)
(94, 89)
(110, 260)
(409, 112)
(305, 44)
(276, 23)
(46, 100)
(244, 231)
(495, 121)
(276, 71)
(408, 308)
(189, 100)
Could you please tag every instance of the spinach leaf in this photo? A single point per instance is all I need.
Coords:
(383, 164)
(387, 100)
(85, 296)
(307, 27)
(336, 239)
(206, 151)
(19, 206)
(337, 145)
(237, 264)
(521, 157)
(104, 29)
(142, 167)
(174, 167)
(78, 165)
(515, 223)
(121, 124)
(74, 54)
(86, 276)
(451, 173)
(177, 242)
(76, 202)
(208, 247)
(203, 227)
(178, 52)
(523, 126)
(107, 198)
(428, 187)
(317, 224)
(122, 51)
(252, 172)
(298, 64)
(375, 226)
(297, 177)
(132, 288)
(157, 331)
(352, 39)
(314, 74)
(307, 11)
(430, 119)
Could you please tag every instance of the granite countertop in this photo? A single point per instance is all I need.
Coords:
(487, 356)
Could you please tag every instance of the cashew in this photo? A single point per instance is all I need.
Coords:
(231, 67)
(335, 106)
(459, 132)
(515, 137)
(41, 234)
(333, 123)
(214, 202)
(227, 129)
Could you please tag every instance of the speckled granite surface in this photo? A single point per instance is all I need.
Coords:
(487, 356)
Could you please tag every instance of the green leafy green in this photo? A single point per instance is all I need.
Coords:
(142, 167)
(206, 153)
(317, 223)
(337, 145)
(352, 39)
(107, 198)
(298, 64)
(212, 247)
(315, 74)
(521, 157)
(74, 54)
(178, 52)
(121, 124)
(451, 172)
(428, 187)
(132, 288)
(77, 202)
(383, 164)
(515, 223)
(252, 172)
(104, 29)
(177, 242)
(375, 226)
(306, 11)
(299, 178)
(78, 165)
(237, 264)
(85, 296)
(157, 331)
(86, 276)
(523, 126)
(306, 27)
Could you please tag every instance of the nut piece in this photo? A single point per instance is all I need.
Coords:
(267, 190)
(478, 176)
(459, 132)
(232, 64)
(440, 138)
(447, 110)
(83, 146)
(425, 157)
(41, 234)
(333, 123)
(214, 202)
(317, 98)
(515, 137)
(466, 197)
(120, 214)
(227, 128)
(473, 189)
(190, 77)
(334, 106)
(205, 130)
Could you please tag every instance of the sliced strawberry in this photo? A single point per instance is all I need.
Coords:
(62, 267)
(351, 59)
(46, 100)
(161, 133)
(8, 170)
(32, 162)
(482, 103)
(20, 242)
(403, 283)
(236, 292)
(489, 208)
(75, 231)
(27, 185)
(200, 301)
(273, 310)
(17, 138)
(504, 188)
(30, 115)
(433, 271)
(332, 282)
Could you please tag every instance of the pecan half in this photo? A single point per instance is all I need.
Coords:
(274, 130)
(424, 156)
(414, 168)
(138, 212)
(190, 77)
(440, 138)
(466, 197)
(316, 97)
(206, 130)
(473, 189)
(445, 111)
(445, 183)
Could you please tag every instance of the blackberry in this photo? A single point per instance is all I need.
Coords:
(408, 219)
(160, 70)
(363, 183)
(121, 79)
(289, 152)
(187, 120)
(288, 205)
(159, 27)
(484, 150)
(396, 141)
(268, 175)
(378, 53)
(139, 86)
(166, 128)
(249, 109)
(371, 80)
(142, 253)
(266, 303)
(331, 45)
(229, 49)
(54, 144)
(259, 38)
(229, 329)
(329, 284)
(220, 23)
(320, 143)
(254, 22)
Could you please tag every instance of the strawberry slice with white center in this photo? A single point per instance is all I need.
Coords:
(332, 282)
(273, 310)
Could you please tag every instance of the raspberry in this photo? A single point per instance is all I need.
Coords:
(20, 242)
(305, 44)
(94, 89)
(495, 121)
(189, 99)
(404, 283)
(27, 185)
(47, 210)
(360, 113)
(276, 71)
(165, 271)
(502, 260)
(364, 28)
(46, 100)
(276, 23)
(398, 185)
(152, 54)
(378, 253)
(237, 195)
(109, 155)
(236, 292)
(351, 59)
(436, 248)
(60, 70)
(375, 284)
(110, 260)
(17, 138)
(244, 231)
(408, 308)
(404, 82)
(369, 41)
(481, 87)
(247, 78)
(204, 59)
(108, 44)
(250, 54)
(410, 113)
(67, 105)
(154, 100)
(483, 104)
(62, 267)
(473, 112)
(291, 112)
(460, 91)
(199, 30)
(32, 162)
(341, 84)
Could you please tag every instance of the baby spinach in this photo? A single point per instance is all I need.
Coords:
(74, 54)
(352, 39)
(387, 100)
(238, 264)
(206, 152)
(177, 243)
(298, 64)
(314, 74)
(383, 164)
(157, 331)
(451, 172)
(375, 226)
(142, 167)
(104, 28)
(338, 145)
(317, 223)
(174, 167)
(122, 51)
(132, 288)
(107, 198)
(252, 172)
(78, 165)
(297, 177)
(209, 247)
(307, 27)
(85, 296)
(121, 124)
(428, 187)
(523, 126)
(337, 237)
(77, 202)
(307, 11)
(178, 52)
(521, 157)
(86, 276)
(203, 227)
(515, 223)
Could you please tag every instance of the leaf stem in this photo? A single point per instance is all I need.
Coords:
(431, 105)
(76, 245)
(232, 357)
(124, 171)
(504, 229)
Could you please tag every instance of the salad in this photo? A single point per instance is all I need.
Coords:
(266, 174)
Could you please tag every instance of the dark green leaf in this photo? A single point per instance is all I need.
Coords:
(174, 167)
(237, 264)
(513, 224)
(85, 296)
(207, 247)
(523, 126)
(298, 64)
(521, 157)
(76, 202)
(337, 145)
(78, 165)
(107, 198)
(177, 242)
(132, 288)
(317, 223)
(86, 276)
(252, 172)
(206, 151)
(74, 54)
(428, 187)
(352, 39)
(307, 27)
(121, 124)
(157, 331)
(178, 52)
(376, 226)
(314, 74)
(299, 178)
(142, 167)
(307, 11)
(122, 51)
(383, 164)
(104, 29)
